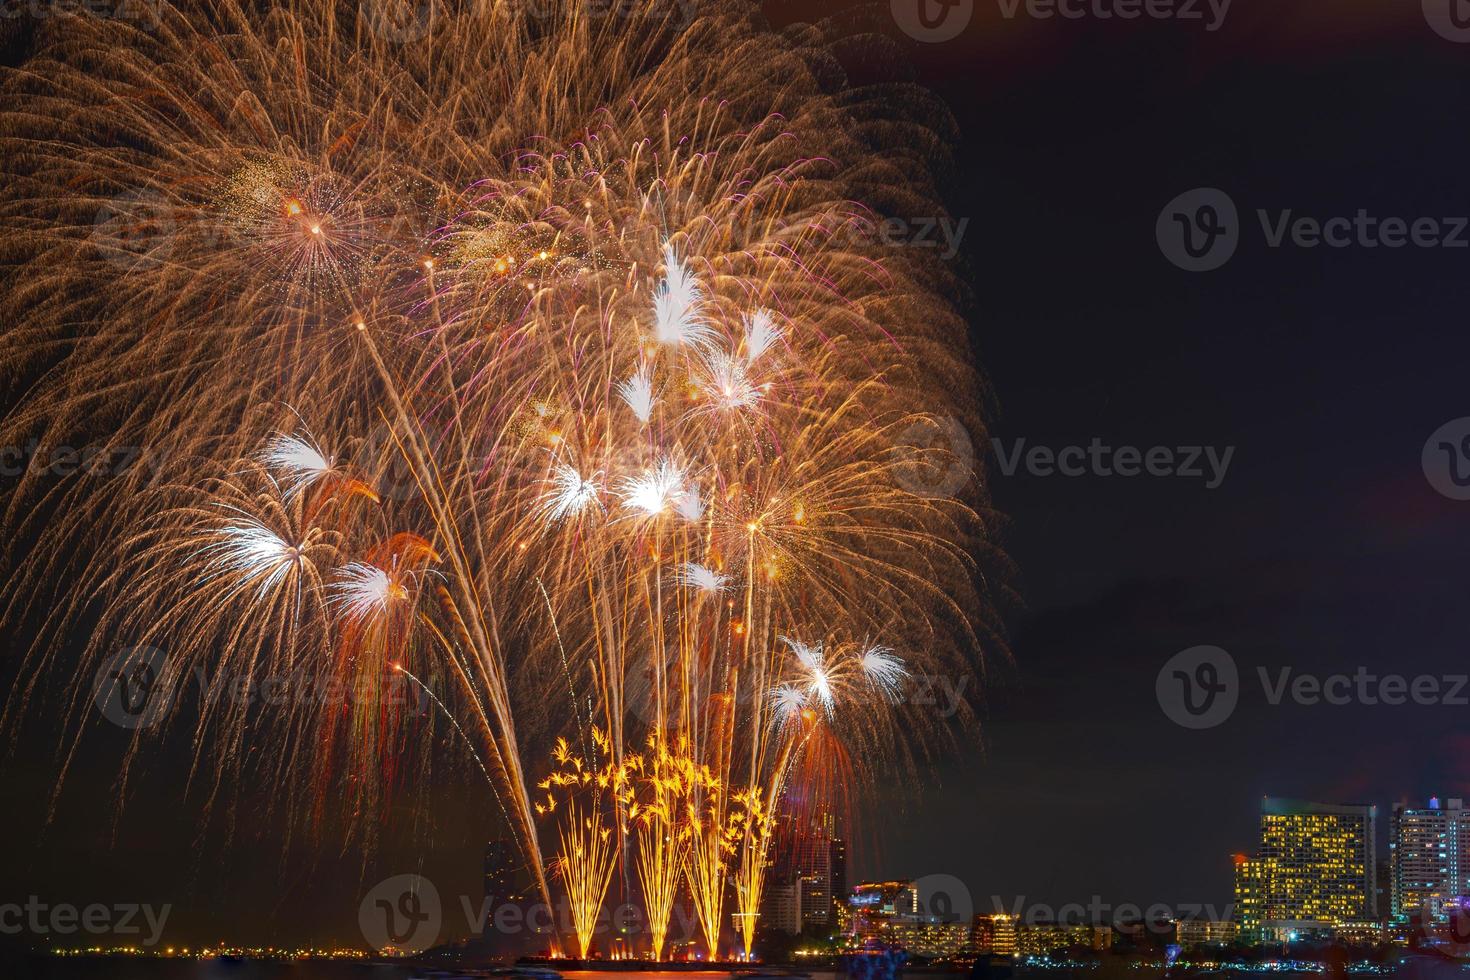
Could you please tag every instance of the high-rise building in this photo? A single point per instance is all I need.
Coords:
(505, 874)
(1429, 859)
(1315, 864)
(807, 857)
(838, 864)
(782, 911)
(994, 934)
(1251, 876)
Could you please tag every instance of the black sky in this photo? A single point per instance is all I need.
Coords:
(1324, 548)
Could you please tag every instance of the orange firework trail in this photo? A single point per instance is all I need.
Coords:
(538, 357)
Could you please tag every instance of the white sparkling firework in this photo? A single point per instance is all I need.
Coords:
(298, 459)
(787, 702)
(253, 554)
(637, 393)
(706, 580)
(676, 318)
(362, 591)
(655, 490)
(571, 493)
(726, 383)
(813, 659)
(761, 334)
(690, 505)
(883, 668)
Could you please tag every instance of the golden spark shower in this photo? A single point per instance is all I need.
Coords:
(542, 358)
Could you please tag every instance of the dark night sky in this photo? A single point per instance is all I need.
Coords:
(1325, 548)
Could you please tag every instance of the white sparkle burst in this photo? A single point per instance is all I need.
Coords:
(655, 489)
(362, 591)
(637, 393)
(761, 334)
(298, 459)
(676, 316)
(570, 493)
(253, 554)
(883, 668)
(690, 505)
(787, 702)
(726, 383)
(706, 580)
(813, 659)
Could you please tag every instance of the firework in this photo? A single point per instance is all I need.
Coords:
(534, 357)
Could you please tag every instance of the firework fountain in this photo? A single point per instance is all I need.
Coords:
(542, 359)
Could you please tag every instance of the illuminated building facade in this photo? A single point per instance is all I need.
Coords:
(1365, 933)
(1315, 866)
(1251, 876)
(876, 905)
(838, 864)
(810, 868)
(994, 934)
(928, 936)
(1429, 860)
(783, 907)
(1191, 933)
(1043, 938)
